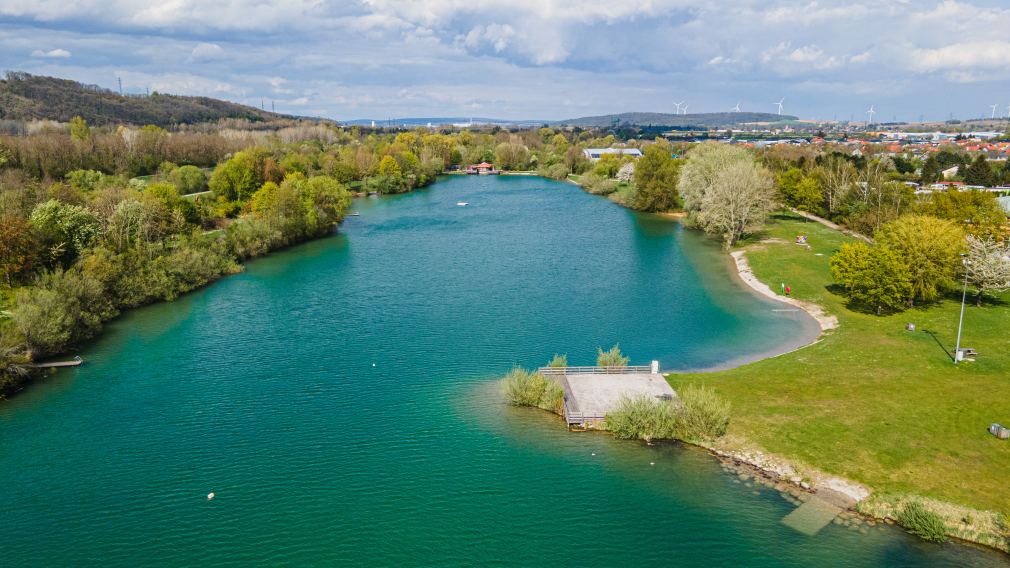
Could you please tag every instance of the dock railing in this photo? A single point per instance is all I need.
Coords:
(631, 369)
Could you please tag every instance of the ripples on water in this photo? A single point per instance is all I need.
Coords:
(262, 389)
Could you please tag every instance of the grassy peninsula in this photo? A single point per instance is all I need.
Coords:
(871, 401)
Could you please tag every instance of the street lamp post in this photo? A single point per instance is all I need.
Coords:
(960, 321)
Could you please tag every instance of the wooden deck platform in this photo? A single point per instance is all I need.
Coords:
(592, 392)
(75, 362)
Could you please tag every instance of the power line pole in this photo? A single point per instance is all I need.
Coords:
(120, 79)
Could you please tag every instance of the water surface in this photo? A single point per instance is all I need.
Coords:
(338, 398)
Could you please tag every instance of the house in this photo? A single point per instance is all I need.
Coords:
(482, 168)
(595, 153)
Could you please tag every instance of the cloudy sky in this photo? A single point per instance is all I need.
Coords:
(534, 59)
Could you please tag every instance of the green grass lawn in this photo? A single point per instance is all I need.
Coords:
(873, 402)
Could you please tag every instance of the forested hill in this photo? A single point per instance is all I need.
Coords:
(31, 97)
(707, 119)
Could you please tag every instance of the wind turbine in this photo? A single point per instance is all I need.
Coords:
(871, 112)
(779, 104)
(993, 117)
(736, 108)
(685, 109)
(678, 105)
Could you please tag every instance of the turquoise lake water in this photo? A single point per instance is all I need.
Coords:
(339, 399)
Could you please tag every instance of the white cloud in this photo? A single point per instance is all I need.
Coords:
(205, 52)
(495, 35)
(53, 53)
(523, 58)
(963, 56)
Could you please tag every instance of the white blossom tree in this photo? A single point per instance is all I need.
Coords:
(988, 266)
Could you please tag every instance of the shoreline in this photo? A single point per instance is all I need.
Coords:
(826, 321)
(740, 455)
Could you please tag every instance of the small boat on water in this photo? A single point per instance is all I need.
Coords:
(462, 203)
(354, 214)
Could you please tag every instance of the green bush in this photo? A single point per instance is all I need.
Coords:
(703, 415)
(643, 418)
(188, 179)
(62, 308)
(558, 361)
(529, 388)
(611, 358)
(553, 398)
(554, 171)
(524, 388)
(922, 522)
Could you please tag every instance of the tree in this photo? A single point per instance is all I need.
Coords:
(800, 191)
(388, 167)
(17, 247)
(656, 176)
(739, 199)
(978, 212)
(931, 170)
(608, 165)
(704, 163)
(988, 266)
(931, 249)
(85, 180)
(79, 129)
(64, 230)
(511, 155)
(979, 173)
(238, 178)
(873, 277)
(63, 307)
(188, 179)
(837, 177)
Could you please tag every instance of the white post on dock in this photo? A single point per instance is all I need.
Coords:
(655, 367)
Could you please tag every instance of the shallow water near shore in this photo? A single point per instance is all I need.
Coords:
(339, 399)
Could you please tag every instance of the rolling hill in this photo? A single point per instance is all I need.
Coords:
(708, 119)
(32, 97)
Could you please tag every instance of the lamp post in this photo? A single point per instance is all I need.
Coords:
(960, 321)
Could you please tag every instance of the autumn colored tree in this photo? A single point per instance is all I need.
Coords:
(17, 248)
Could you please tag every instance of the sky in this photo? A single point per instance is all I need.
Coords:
(531, 59)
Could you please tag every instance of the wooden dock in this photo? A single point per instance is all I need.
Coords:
(590, 392)
(75, 362)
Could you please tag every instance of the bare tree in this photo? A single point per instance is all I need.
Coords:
(988, 266)
(704, 163)
(837, 178)
(739, 199)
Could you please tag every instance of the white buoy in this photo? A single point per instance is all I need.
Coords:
(210, 495)
(373, 364)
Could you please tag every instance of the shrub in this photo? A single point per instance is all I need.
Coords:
(524, 388)
(643, 418)
(62, 308)
(554, 171)
(558, 361)
(188, 179)
(553, 398)
(529, 388)
(703, 415)
(611, 358)
(922, 522)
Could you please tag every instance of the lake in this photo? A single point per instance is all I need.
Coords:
(340, 400)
